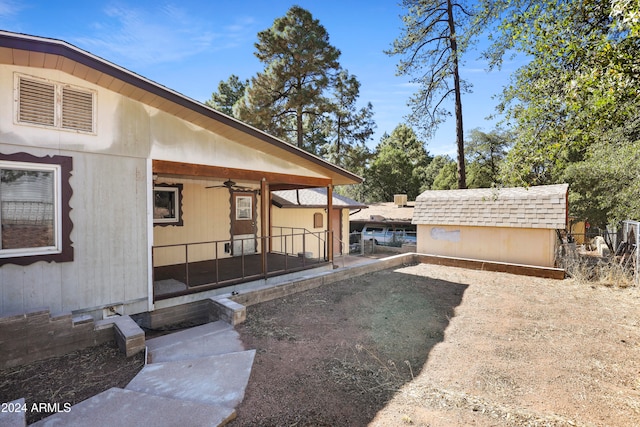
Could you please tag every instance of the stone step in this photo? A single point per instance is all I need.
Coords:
(176, 338)
(119, 407)
(203, 342)
(213, 380)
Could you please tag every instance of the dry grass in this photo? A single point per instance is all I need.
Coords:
(594, 270)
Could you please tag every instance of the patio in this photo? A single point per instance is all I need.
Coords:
(186, 278)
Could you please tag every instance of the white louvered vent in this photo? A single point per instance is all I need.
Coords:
(37, 102)
(77, 110)
(46, 103)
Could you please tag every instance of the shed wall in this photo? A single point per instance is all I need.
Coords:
(512, 245)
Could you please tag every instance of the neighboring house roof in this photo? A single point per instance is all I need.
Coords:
(542, 206)
(385, 212)
(311, 198)
(32, 51)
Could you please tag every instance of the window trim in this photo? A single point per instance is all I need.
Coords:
(58, 88)
(63, 251)
(176, 188)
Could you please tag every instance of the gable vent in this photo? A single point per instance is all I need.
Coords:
(52, 104)
(77, 110)
(37, 102)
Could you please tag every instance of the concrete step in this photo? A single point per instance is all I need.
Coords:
(119, 407)
(212, 380)
(187, 334)
(12, 414)
(195, 343)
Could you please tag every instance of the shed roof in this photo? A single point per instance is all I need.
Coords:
(542, 206)
(312, 198)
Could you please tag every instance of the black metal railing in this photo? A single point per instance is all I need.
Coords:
(184, 268)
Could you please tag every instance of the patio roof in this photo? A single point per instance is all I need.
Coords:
(312, 198)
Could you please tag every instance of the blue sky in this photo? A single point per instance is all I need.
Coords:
(189, 46)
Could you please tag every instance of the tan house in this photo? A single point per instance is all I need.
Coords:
(306, 210)
(121, 196)
(511, 225)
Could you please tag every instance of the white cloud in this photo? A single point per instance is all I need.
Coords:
(9, 8)
(143, 37)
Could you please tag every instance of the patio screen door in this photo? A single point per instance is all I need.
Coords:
(243, 223)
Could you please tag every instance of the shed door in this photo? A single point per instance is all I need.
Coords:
(243, 223)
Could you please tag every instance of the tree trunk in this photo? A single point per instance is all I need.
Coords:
(462, 176)
(299, 128)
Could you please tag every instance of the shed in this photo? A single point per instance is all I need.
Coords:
(513, 225)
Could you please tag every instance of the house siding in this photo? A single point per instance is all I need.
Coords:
(111, 183)
(108, 212)
(206, 219)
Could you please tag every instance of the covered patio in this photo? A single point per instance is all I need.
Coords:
(189, 277)
(214, 227)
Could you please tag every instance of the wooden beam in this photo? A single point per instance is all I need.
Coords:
(265, 199)
(190, 170)
(330, 221)
(474, 264)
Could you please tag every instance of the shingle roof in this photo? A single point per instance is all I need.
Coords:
(311, 198)
(387, 210)
(542, 206)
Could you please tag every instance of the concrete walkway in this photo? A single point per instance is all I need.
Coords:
(196, 376)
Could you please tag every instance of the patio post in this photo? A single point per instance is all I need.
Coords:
(330, 221)
(264, 229)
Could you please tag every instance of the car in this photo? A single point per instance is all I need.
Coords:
(389, 234)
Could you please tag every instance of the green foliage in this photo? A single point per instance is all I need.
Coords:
(574, 105)
(229, 92)
(399, 166)
(347, 127)
(446, 177)
(605, 187)
(300, 65)
(485, 154)
(435, 178)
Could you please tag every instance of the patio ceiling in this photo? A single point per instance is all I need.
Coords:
(276, 181)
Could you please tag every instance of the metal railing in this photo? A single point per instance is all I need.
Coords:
(193, 267)
(299, 241)
(629, 247)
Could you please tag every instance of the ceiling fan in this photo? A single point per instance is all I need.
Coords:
(231, 185)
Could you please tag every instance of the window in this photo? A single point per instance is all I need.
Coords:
(318, 221)
(44, 103)
(243, 207)
(34, 209)
(167, 204)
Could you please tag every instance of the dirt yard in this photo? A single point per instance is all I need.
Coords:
(435, 346)
(419, 345)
